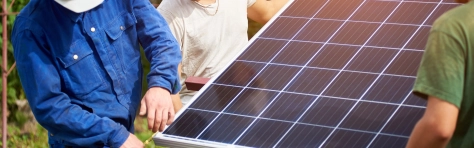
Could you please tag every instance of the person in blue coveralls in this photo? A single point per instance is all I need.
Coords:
(79, 64)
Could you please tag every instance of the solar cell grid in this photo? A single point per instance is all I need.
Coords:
(326, 73)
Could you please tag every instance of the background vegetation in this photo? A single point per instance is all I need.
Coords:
(23, 130)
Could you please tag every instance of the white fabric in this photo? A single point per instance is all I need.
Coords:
(185, 99)
(208, 42)
(210, 7)
(79, 6)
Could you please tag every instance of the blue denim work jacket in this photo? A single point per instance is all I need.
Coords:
(82, 73)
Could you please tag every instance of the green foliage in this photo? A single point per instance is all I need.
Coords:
(14, 89)
(17, 136)
(35, 139)
(142, 132)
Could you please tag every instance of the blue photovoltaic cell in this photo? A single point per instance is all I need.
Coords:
(324, 73)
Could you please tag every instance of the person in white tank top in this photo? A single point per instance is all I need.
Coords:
(212, 32)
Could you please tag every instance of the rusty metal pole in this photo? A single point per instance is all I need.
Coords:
(4, 74)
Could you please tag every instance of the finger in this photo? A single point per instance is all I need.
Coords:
(171, 116)
(142, 107)
(158, 118)
(164, 120)
(151, 117)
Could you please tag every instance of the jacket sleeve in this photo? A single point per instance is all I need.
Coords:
(53, 108)
(161, 48)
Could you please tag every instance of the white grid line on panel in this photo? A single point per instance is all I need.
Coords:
(388, 120)
(300, 71)
(249, 84)
(342, 98)
(316, 125)
(355, 21)
(322, 68)
(227, 106)
(294, 36)
(415, 1)
(357, 102)
(312, 103)
(297, 74)
(393, 114)
(353, 45)
(179, 113)
(246, 87)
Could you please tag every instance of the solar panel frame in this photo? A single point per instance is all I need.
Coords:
(170, 140)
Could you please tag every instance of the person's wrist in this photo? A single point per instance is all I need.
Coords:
(158, 88)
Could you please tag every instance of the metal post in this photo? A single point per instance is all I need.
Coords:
(4, 74)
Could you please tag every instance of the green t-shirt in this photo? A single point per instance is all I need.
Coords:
(447, 69)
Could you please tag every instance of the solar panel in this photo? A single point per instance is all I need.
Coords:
(324, 73)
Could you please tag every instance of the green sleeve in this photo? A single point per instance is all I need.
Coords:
(442, 69)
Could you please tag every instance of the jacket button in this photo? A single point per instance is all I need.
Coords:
(75, 57)
(51, 134)
(122, 28)
(93, 29)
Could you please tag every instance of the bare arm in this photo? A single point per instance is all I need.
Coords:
(436, 127)
(263, 10)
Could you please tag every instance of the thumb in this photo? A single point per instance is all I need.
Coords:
(142, 107)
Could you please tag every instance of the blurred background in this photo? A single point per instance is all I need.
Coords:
(23, 130)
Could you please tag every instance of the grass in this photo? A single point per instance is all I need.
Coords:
(142, 132)
(39, 137)
(36, 139)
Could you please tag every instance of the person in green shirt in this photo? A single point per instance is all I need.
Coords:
(446, 79)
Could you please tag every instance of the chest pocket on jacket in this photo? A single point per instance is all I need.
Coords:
(119, 24)
(123, 38)
(81, 69)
